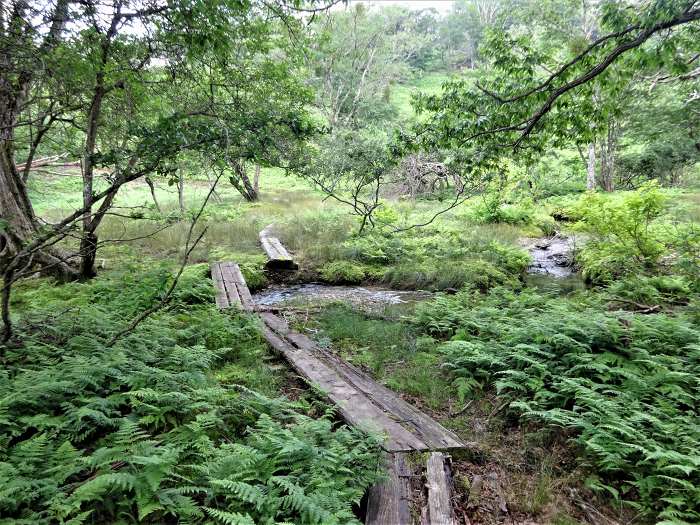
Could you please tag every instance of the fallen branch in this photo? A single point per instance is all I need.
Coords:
(640, 308)
(462, 410)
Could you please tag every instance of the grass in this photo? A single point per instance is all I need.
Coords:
(401, 94)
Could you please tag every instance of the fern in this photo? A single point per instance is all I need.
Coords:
(143, 432)
(629, 385)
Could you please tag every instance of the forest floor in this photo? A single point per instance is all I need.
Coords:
(523, 472)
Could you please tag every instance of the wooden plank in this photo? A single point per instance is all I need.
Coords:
(277, 254)
(230, 283)
(439, 490)
(388, 503)
(432, 433)
(242, 286)
(352, 404)
(221, 297)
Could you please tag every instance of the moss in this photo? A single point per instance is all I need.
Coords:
(343, 272)
(476, 273)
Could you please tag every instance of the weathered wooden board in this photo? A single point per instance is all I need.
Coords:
(389, 502)
(241, 286)
(221, 296)
(434, 435)
(439, 490)
(356, 408)
(231, 288)
(362, 403)
(277, 255)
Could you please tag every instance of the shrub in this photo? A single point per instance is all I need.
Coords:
(375, 249)
(547, 225)
(493, 210)
(343, 272)
(625, 238)
(656, 290)
(510, 259)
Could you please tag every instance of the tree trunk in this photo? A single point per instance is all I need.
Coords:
(241, 181)
(181, 192)
(590, 168)
(256, 180)
(19, 222)
(152, 187)
(88, 254)
(608, 147)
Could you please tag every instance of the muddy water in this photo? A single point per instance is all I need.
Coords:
(314, 293)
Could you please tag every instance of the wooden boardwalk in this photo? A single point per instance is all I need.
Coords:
(231, 288)
(363, 403)
(277, 255)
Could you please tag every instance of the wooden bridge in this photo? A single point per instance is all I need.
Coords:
(363, 403)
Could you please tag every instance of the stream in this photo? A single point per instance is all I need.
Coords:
(550, 271)
(371, 297)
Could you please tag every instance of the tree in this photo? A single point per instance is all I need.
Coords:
(355, 57)
(659, 139)
(98, 67)
(531, 99)
(108, 71)
(23, 50)
(349, 167)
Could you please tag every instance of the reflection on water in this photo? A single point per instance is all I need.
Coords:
(305, 294)
(549, 283)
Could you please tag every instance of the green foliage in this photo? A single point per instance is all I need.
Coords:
(493, 210)
(524, 102)
(626, 386)
(375, 248)
(452, 275)
(390, 350)
(655, 290)
(144, 432)
(431, 259)
(343, 272)
(630, 235)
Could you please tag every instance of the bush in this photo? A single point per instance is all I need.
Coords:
(143, 432)
(375, 249)
(343, 272)
(510, 259)
(656, 290)
(493, 210)
(547, 225)
(627, 387)
(625, 237)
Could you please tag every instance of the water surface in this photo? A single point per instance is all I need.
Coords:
(314, 293)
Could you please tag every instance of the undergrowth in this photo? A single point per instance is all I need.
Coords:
(625, 386)
(143, 432)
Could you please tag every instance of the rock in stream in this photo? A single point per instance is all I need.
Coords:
(551, 255)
